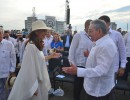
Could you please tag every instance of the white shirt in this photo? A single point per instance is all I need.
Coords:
(79, 44)
(47, 42)
(47, 46)
(7, 58)
(18, 47)
(127, 44)
(119, 41)
(99, 72)
(67, 44)
(22, 50)
(12, 40)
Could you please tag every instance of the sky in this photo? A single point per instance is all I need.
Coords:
(15, 12)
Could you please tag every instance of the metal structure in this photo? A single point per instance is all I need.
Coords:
(33, 14)
(67, 13)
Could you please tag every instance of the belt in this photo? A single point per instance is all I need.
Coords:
(80, 66)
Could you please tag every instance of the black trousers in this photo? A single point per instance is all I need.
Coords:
(109, 96)
(127, 69)
(17, 60)
(78, 86)
(66, 48)
(54, 62)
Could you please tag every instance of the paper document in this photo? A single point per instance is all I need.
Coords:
(60, 76)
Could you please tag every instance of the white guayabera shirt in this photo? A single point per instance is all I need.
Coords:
(79, 44)
(7, 58)
(99, 72)
(33, 76)
(127, 44)
(121, 54)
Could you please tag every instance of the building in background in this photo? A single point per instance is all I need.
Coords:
(29, 21)
(50, 21)
(113, 26)
(58, 26)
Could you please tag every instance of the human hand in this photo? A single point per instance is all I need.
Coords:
(86, 53)
(12, 74)
(70, 70)
(55, 55)
(121, 71)
(36, 93)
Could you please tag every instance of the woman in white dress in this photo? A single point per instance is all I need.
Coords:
(32, 82)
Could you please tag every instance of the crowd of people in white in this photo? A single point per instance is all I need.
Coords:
(12, 51)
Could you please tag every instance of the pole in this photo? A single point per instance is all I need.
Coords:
(67, 15)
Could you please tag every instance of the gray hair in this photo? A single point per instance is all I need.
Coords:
(100, 24)
(2, 30)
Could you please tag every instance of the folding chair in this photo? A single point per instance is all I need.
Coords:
(58, 71)
(121, 84)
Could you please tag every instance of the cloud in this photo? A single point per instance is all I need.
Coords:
(14, 12)
(119, 10)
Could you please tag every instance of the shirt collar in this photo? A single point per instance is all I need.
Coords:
(101, 39)
(109, 31)
(85, 32)
(49, 37)
(2, 41)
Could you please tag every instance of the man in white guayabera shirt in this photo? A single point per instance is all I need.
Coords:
(119, 41)
(81, 43)
(7, 63)
(99, 71)
(127, 44)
